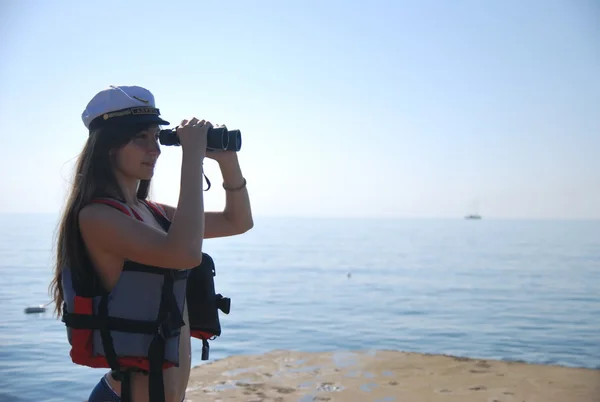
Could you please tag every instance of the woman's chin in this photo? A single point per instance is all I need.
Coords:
(147, 173)
(144, 175)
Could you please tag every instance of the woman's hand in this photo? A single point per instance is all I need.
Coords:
(192, 134)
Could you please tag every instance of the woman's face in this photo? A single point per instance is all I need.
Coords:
(138, 157)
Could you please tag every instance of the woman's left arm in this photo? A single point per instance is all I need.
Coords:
(236, 217)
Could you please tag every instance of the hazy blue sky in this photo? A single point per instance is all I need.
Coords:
(398, 108)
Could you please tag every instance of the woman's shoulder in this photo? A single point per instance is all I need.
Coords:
(99, 214)
(100, 207)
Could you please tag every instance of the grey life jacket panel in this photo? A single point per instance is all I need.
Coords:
(137, 296)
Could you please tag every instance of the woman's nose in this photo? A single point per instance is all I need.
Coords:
(154, 148)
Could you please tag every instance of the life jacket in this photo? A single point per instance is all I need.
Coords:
(137, 325)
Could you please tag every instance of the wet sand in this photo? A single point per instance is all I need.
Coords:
(387, 376)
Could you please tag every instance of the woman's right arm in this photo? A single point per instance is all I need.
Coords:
(115, 233)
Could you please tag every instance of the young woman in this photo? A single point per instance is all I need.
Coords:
(123, 258)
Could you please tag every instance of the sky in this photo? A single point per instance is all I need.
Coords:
(393, 109)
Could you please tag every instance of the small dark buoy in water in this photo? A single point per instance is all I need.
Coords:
(348, 274)
(37, 309)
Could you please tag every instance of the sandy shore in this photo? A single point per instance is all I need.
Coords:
(387, 376)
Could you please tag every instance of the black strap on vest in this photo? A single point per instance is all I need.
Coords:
(156, 352)
(109, 349)
(107, 341)
(126, 387)
(84, 321)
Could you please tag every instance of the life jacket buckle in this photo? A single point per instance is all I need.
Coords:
(223, 303)
(164, 330)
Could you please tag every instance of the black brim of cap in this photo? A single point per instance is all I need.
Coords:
(147, 119)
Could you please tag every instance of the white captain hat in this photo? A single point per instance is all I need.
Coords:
(121, 105)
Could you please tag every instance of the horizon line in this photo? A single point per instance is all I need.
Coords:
(374, 217)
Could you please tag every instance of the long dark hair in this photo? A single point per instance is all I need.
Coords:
(94, 176)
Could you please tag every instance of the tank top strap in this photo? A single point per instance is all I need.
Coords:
(156, 208)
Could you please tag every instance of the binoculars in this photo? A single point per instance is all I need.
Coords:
(217, 139)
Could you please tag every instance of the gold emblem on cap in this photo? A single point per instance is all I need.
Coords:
(132, 111)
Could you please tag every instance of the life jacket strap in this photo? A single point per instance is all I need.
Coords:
(84, 321)
(124, 376)
(107, 341)
(159, 214)
(126, 387)
(121, 206)
(205, 349)
(156, 208)
(156, 351)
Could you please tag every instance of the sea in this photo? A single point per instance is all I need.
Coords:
(494, 289)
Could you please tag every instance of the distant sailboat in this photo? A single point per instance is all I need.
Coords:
(475, 215)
